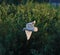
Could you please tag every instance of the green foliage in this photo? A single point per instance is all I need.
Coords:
(12, 20)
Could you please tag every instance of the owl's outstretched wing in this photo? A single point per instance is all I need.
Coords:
(28, 34)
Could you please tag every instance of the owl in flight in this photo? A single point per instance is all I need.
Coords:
(29, 29)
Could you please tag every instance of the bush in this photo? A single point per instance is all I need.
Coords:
(12, 20)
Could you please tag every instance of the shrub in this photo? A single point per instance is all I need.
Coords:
(12, 20)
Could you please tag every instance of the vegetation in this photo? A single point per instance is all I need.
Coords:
(14, 17)
(16, 2)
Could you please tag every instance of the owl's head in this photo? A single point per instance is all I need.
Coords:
(35, 29)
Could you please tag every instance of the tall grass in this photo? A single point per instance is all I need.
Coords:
(13, 18)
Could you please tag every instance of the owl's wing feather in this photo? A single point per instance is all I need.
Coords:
(28, 34)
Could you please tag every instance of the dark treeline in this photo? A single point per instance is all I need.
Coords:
(21, 1)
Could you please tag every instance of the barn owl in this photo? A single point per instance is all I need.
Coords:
(29, 29)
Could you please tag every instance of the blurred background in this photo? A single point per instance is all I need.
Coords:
(14, 14)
